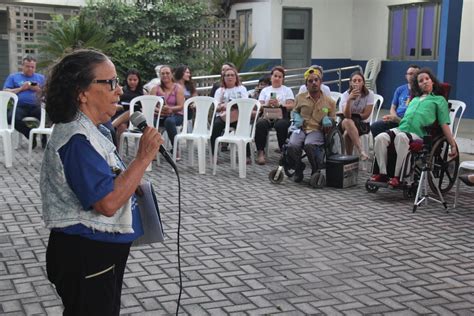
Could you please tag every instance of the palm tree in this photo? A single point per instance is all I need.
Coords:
(65, 35)
(237, 55)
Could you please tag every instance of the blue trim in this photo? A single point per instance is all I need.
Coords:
(449, 37)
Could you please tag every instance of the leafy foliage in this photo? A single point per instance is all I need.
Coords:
(66, 35)
(237, 55)
(148, 33)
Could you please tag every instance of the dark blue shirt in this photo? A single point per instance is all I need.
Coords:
(91, 179)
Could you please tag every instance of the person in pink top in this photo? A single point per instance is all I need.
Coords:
(173, 96)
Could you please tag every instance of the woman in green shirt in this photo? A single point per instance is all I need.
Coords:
(424, 109)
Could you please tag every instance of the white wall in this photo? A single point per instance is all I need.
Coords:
(354, 29)
(331, 21)
(466, 46)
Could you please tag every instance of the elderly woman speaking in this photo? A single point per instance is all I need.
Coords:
(87, 193)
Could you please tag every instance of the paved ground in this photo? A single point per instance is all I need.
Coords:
(253, 248)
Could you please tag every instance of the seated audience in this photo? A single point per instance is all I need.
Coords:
(182, 76)
(153, 82)
(424, 109)
(173, 97)
(400, 101)
(217, 84)
(356, 103)
(275, 96)
(263, 82)
(313, 106)
(230, 89)
(324, 89)
(133, 87)
(27, 85)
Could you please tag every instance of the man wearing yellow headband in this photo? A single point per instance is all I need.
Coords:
(315, 69)
(313, 107)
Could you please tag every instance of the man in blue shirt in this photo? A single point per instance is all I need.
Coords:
(27, 85)
(400, 101)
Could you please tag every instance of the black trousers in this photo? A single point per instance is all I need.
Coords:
(264, 126)
(87, 274)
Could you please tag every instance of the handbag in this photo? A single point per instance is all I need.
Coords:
(150, 215)
(272, 113)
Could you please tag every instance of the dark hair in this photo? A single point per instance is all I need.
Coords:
(69, 77)
(278, 68)
(237, 79)
(266, 79)
(28, 58)
(413, 66)
(135, 72)
(178, 75)
(364, 91)
(416, 90)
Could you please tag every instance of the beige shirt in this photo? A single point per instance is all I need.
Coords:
(312, 110)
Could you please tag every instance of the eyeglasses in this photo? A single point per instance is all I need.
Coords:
(313, 80)
(112, 82)
(229, 75)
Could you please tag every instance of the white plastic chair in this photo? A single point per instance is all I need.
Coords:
(465, 166)
(6, 131)
(41, 129)
(455, 115)
(149, 103)
(372, 69)
(336, 96)
(200, 134)
(367, 138)
(244, 133)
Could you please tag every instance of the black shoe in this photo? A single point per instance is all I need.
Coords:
(44, 141)
(465, 178)
(298, 177)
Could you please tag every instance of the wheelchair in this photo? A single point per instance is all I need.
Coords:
(431, 153)
(333, 145)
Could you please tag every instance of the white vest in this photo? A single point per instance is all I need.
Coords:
(61, 208)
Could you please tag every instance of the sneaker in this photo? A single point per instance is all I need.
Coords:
(379, 178)
(394, 182)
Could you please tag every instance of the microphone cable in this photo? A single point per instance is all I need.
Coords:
(178, 301)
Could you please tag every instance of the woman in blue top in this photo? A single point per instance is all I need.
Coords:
(87, 193)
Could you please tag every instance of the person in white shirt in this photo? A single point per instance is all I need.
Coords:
(276, 96)
(230, 89)
(356, 103)
(324, 89)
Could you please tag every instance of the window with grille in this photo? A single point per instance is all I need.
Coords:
(413, 31)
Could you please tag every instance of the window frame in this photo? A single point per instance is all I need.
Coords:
(246, 39)
(420, 6)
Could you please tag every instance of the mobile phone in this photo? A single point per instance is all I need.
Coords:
(34, 83)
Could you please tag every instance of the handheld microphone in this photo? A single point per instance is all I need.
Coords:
(139, 121)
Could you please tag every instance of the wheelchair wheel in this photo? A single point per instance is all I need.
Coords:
(370, 187)
(272, 174)
(445, 170)
(335, 142)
